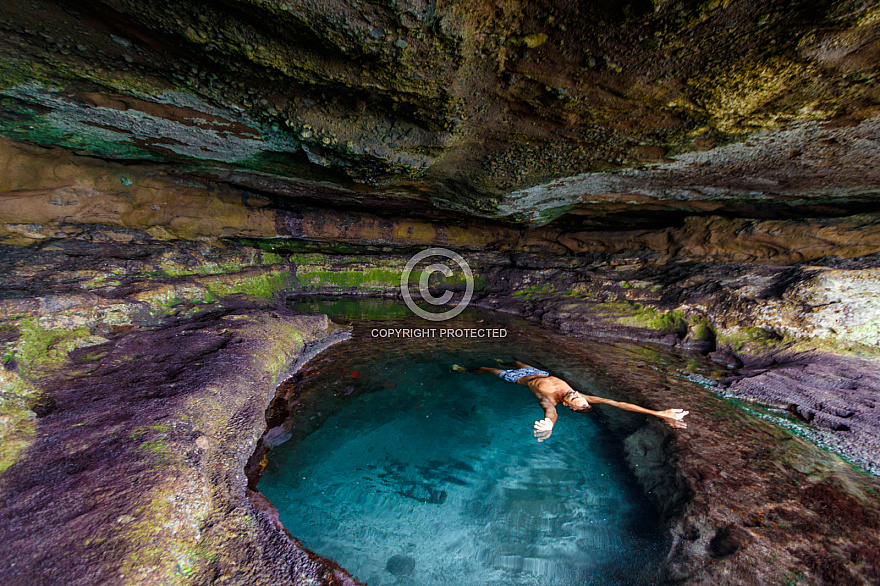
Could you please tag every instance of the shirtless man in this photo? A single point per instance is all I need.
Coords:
(551, 390)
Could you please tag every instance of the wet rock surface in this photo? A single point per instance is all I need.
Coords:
(829, 392)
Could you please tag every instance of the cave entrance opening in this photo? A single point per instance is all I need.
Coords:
(405, 472)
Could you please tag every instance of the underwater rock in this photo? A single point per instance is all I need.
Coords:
(401, 565)
(423, 493)
(419, 484)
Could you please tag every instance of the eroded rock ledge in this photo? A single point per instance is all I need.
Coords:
(133, 415)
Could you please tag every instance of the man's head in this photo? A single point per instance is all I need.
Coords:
(575, 401)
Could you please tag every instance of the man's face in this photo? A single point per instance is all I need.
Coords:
(576, 402)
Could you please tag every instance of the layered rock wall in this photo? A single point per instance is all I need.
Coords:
(512, 109)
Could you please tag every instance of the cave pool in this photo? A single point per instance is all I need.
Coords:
(405, 472)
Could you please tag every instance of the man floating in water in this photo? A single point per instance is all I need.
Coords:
(551, 390)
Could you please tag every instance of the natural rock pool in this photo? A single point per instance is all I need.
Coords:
(405, 472)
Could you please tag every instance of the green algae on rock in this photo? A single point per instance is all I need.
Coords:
(80, 313)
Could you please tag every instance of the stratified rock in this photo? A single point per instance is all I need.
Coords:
(831, 392)
(525, 111)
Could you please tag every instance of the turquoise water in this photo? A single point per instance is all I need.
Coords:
(422, 476)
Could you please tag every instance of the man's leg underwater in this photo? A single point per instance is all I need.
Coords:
(480, 370)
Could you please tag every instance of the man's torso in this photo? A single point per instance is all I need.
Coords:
(545, 386)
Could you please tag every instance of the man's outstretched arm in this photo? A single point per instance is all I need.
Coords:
(672, 416)
(544, 427)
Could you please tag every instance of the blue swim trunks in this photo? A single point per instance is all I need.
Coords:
(511, 376)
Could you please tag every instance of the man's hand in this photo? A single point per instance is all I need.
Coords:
(543, 429)
(674, 417)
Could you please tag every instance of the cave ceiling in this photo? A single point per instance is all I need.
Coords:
(593, 113)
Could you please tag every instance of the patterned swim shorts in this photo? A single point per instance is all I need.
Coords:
(512, 376)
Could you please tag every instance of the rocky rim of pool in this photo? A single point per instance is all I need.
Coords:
(732, 510)
(388, 455)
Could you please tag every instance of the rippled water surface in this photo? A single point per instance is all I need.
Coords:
(407, 473)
